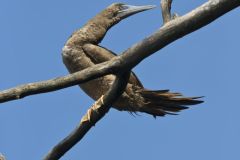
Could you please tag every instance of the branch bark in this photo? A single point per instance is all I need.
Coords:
(171, 31)
(93, 115)
(85, 75)
(166, 10)
(168, 33)
(2, 157)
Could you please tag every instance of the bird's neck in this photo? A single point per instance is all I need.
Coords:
(95, 30)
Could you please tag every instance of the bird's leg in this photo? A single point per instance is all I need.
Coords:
(94, 109)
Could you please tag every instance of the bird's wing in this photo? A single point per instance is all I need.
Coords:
(99, 54)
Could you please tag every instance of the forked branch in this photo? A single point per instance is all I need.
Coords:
(171, 31)
(168, 33)
(93, 115)
(166, 10)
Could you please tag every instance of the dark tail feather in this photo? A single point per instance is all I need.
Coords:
(162, 102)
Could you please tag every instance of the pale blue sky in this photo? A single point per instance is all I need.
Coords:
(205, 63)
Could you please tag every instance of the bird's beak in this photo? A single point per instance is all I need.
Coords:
(128, 10)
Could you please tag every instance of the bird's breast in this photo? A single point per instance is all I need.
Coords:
(75, 59)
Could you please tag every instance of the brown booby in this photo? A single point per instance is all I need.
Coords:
(82, 50)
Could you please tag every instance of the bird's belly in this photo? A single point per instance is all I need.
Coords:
(75, 60)
(97, 87)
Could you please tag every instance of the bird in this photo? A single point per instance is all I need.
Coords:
(82, 50)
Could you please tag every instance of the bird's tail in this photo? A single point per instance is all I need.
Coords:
(162, 102)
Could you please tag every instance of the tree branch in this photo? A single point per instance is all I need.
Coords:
(177, 28)
(166, 10)
(168, 33)
(2, 157)
(93, 115)
(61, 82)
(171, 31)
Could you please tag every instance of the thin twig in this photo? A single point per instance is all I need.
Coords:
(168, 33)
(166, 10)
(93, 115)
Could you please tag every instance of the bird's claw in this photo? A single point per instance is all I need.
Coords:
(93, 109)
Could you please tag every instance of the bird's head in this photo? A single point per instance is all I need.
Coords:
(119, 11)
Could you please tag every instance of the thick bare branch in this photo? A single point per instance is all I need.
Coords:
(177, 28)
(168, 33)
(2, 157)
(93, 115)
(61, 82)
(166, 10)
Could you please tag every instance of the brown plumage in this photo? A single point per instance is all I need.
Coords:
(81, 51)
